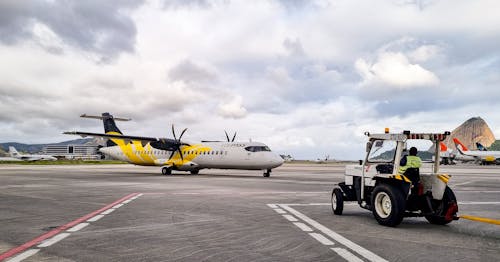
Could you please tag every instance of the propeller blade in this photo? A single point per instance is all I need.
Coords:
(234, 137)
(227, 136)
(180, 153)
(171, 154)
(182, 133)
(173, 132)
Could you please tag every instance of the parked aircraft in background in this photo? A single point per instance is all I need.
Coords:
(28, 157)
(483, 157)
(177, 154)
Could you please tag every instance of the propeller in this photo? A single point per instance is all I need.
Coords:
(178, 143)
(227, 136)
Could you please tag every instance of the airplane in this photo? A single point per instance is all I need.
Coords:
(28, 157)
(180, 155)
(483, 157)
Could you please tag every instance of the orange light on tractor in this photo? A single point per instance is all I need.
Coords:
(386, 130)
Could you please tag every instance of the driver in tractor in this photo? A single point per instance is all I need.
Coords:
(409, 167)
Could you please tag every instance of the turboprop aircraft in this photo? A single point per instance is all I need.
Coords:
(28, 157)
(176, 154)
(483, 157)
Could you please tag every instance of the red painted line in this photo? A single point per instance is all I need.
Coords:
(56, 231)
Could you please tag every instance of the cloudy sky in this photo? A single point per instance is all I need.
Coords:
(305, 77)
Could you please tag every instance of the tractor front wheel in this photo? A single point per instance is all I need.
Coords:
(388, 205)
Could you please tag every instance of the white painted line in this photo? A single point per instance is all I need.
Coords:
(53, 240)
(127, 201)
(322, 239)
(464, 183)
(118, 206)
(290, 218)
(280, 211)
(272, 205)
(108, 211)
(77, 227)
(342, 240)
(303, 227)
(24, 255)
(478, 203)
(320, 204)
(93, 219)
(346, 254)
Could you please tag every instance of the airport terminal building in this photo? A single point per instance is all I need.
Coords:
(74, 151)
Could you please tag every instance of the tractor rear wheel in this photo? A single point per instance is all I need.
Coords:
(442, 206)
(388, 205)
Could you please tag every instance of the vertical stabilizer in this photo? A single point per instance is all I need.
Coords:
(109, 124)
(13, 152)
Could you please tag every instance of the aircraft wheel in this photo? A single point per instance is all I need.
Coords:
(195, 172)
(337, 201)
(388, 205)
(166, 170)
(267, 173)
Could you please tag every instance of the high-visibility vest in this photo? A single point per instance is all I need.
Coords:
(411, 162)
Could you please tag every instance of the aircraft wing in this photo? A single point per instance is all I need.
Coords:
(159, 143)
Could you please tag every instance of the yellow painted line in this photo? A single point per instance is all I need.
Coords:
(481, 219)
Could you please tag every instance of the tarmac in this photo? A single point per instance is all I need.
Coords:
(133, 213)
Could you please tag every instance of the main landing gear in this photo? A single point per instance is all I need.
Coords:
(267, 173)
(166, 170)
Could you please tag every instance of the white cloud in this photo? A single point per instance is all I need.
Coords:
(395, 70)
(424, 53)
(232, 109)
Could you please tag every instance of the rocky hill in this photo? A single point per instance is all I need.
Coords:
(472, 131)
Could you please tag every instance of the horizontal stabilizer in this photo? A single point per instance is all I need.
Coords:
(102, 117)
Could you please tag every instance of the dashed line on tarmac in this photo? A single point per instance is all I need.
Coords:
(324, 235)
(25, 251)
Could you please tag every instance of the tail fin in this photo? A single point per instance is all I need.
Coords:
(109, 124)
(13, 152)
(460, 146)
(444, 148)
(480, 147)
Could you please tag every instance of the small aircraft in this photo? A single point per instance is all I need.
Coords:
(481, 156)
(28, 157)
(177, 154)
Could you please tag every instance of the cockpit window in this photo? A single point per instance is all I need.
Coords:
(257, 148)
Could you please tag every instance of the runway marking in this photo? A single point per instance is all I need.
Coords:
(290, 218)
(118, 206)
(49, 242)
(95, 218)
(303, 227)
(57, 234)
(326, 235)
(346, 254)
(280, 211)
(24, 255)
(323, 240)
(78, 227)
(109, 211)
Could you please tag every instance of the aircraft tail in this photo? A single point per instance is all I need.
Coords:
(460, 146)
(480, 147)
(110, 127)
(444, 148)
(13, 152)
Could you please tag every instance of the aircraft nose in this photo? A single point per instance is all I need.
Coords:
(278, 161)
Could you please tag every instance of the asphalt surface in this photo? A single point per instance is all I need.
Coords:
(131, 213)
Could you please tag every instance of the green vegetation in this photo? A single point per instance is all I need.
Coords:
(495, 146)
(65, 162)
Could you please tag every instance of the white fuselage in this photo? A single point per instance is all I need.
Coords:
(221, 155)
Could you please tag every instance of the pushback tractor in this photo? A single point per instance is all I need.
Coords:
(377, 183)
